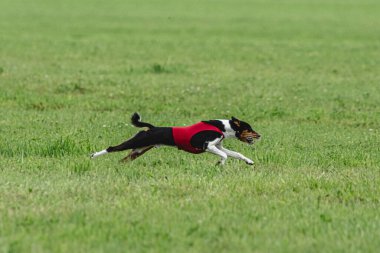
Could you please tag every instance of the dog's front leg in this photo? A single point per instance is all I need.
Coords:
(211, 147)
(234, 154)
(216, 151)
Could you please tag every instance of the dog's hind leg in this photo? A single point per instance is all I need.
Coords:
(140, 140)
(135, 153)
(129, 144)
(121, 147)
(96, 154)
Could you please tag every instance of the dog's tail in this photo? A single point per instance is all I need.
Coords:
(136, 121)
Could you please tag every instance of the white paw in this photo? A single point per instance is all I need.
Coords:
(96, 154)
(249, 162)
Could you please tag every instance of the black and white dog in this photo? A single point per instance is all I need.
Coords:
(198, 138)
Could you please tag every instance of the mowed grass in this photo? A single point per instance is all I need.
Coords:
(305, 74)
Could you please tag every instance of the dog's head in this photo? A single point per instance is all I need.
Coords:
(243, 131)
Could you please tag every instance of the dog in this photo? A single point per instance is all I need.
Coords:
(205, 136)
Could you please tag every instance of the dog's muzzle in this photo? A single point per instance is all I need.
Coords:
(250, 140)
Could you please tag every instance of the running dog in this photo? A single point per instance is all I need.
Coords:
(205, 136)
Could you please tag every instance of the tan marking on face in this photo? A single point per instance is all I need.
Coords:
(246, 134)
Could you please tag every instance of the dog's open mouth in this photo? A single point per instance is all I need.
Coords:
(250, 140)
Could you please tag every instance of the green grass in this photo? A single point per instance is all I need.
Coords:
(304, 73)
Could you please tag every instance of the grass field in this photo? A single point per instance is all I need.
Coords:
(304, 73)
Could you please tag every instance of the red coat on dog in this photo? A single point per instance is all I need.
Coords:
(182, 136)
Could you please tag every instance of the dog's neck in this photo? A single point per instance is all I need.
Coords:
(229, 133)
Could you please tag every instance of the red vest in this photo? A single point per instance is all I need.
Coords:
(183, 135)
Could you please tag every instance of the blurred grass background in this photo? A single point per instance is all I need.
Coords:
(304, 73)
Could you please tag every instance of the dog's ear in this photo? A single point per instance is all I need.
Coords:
(235, 121)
